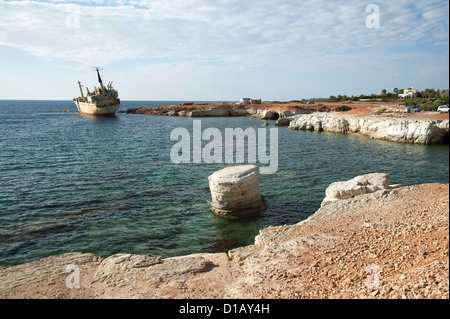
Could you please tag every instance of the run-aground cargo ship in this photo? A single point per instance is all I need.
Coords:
(104, 101)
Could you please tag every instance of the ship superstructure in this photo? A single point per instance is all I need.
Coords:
(103, 101)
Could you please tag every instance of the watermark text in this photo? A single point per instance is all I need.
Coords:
(228, 147)
(373, 19)
(73, 280)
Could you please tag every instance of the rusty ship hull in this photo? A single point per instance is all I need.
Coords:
(91, 109)
(103, 101)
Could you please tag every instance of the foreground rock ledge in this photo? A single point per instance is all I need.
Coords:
(402, 233)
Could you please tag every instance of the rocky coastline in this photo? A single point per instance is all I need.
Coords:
(369, 239)
(379, 242)
(393, 125)
(391, 129)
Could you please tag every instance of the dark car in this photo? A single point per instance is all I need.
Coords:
(413, 108)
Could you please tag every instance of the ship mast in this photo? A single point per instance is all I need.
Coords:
(81, 90)
(99, 78)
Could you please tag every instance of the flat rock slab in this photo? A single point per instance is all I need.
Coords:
(111, 269)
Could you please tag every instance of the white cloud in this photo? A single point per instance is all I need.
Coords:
(228, 30)
(221, 35)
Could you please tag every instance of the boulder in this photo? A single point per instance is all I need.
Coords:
(235, 191)
(270, 115)
(284, 121)
(362, 184)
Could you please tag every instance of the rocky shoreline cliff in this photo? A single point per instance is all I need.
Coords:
(395, 125)
(391, 243)
(391, 129)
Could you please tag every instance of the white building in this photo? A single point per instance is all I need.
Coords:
(245, 100)
(408, 93)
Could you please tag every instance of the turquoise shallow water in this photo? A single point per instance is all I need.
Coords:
(107, 185)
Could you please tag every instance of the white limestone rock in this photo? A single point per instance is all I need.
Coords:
(392, 129)
(235, 191)
(359, 185)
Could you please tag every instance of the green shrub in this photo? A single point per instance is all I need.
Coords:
(430, 106)
(437, 103)
(411, 102)
(343, 108)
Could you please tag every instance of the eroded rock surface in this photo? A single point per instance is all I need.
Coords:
(235, 191)
(393, 129)
(359, 185)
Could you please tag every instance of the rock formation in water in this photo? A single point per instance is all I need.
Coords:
(392, 129)
(235, 191)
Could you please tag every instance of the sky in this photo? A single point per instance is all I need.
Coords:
(222, 50)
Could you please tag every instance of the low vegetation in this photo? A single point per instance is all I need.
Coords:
(428, 99)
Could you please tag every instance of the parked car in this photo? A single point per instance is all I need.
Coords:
(443, 109)
(413, 108)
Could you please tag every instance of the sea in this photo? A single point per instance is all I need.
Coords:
(76, 183)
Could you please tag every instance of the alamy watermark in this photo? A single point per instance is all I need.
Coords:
(373, 279)
(73, 19)
(73, 280)
(229, 148)
(373, 19)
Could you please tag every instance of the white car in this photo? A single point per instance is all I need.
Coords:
(443, 109)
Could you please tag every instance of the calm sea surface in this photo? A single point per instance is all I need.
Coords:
(73, 183)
